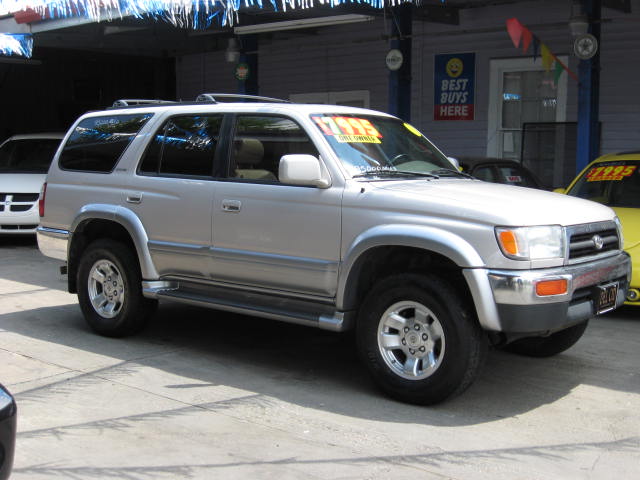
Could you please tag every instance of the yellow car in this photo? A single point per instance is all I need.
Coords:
(614, 180)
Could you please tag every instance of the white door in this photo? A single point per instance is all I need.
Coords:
(521, 91)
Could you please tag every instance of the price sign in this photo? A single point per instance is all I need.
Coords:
(609, 173)
(348, 129)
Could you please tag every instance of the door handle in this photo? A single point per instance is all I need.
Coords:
(134, 197)
(231, 205)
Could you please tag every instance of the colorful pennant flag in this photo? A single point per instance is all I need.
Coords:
(514, 27)
(522, 38)
(547, 57)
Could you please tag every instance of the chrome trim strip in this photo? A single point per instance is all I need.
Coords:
(179, 248)
(228, 254)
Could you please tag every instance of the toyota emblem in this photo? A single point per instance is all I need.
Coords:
(598, 242)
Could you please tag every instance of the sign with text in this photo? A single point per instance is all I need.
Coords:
(454, 86)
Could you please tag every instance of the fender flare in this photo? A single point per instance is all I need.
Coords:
(436, 240)
(131, 223)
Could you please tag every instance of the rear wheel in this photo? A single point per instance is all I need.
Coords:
(110, 291)
(548, 346)
(419, 339)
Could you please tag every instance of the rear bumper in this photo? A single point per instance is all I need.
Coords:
(507, 301)
(53, 242)
(8, 413)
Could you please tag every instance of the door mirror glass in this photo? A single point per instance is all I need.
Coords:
(299, 169)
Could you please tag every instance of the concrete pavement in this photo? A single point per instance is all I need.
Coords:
(203, 394)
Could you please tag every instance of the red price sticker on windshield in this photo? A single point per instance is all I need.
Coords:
(615, 173)
(348, 129)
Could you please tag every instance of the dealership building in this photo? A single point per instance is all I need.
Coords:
(550, 83)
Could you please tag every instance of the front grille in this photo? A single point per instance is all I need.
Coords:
(18, 227)
(20, 208)
(3, 197)
(24, 197)
(592, 239)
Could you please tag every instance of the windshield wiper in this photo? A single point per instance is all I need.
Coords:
(393, 173)
(445, 172)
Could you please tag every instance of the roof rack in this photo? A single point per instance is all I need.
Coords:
(128, 102)
(213, 97)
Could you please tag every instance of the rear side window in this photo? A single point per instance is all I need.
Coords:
(97, 143)
(28, 156)
(184, 145)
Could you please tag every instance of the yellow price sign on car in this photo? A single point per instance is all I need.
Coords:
(610, 173)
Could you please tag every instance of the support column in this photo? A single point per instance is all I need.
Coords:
(588, 147)
(249, 56)
(400, 80)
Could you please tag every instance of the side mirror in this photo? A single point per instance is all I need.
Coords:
(302, 169)
(560, 190)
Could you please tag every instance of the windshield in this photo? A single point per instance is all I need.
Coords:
(369, 145)
(615, 184)
(28, 155)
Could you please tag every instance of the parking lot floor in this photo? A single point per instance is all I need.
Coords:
(204, 395)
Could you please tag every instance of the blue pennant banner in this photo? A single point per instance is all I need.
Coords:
(16, 44)
(196, 14)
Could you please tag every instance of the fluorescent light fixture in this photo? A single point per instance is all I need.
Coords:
(302, 23)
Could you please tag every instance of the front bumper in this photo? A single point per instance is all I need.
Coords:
(506, 300)
(22, 223)
(8, 413)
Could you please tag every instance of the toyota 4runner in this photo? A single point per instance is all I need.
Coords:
(328, 216)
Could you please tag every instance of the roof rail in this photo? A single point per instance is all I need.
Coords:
(212, 97)
(128, 102)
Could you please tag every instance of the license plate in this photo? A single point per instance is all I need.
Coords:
(605, 297)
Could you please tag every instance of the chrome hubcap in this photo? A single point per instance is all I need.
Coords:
(411, 340)
(106, 288)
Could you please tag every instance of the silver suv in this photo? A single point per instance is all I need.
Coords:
(327, 216)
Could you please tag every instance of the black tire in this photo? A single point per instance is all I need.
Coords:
(548, 346)
(449, 331)
(121, 289)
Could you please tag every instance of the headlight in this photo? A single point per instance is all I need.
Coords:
(531, 243)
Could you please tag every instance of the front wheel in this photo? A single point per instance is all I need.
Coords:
(419, 339)
(109, 290)
(548, 346)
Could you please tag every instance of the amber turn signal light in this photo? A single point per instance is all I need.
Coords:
(551, 287)
(509, 242)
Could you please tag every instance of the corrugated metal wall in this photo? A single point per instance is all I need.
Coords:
(351, 57)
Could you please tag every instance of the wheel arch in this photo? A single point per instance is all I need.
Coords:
(385, 249)
(108, 221)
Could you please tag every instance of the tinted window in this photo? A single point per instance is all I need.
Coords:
(28, 155)
(375, 145)
(516, 176)
(614, 183)
(97, 143)
(183, 146)
(259, 143)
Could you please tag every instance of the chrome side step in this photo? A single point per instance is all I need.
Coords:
(291, 310)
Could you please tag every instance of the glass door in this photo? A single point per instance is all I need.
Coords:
(524, 93)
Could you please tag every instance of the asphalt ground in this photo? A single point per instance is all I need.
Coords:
(206, 395)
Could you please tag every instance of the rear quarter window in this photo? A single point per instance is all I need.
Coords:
(97, 143)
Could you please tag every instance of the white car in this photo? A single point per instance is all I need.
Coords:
(24, 161)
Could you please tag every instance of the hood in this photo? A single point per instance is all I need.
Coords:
(21, 182)
(630, 219)
(494, 203)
